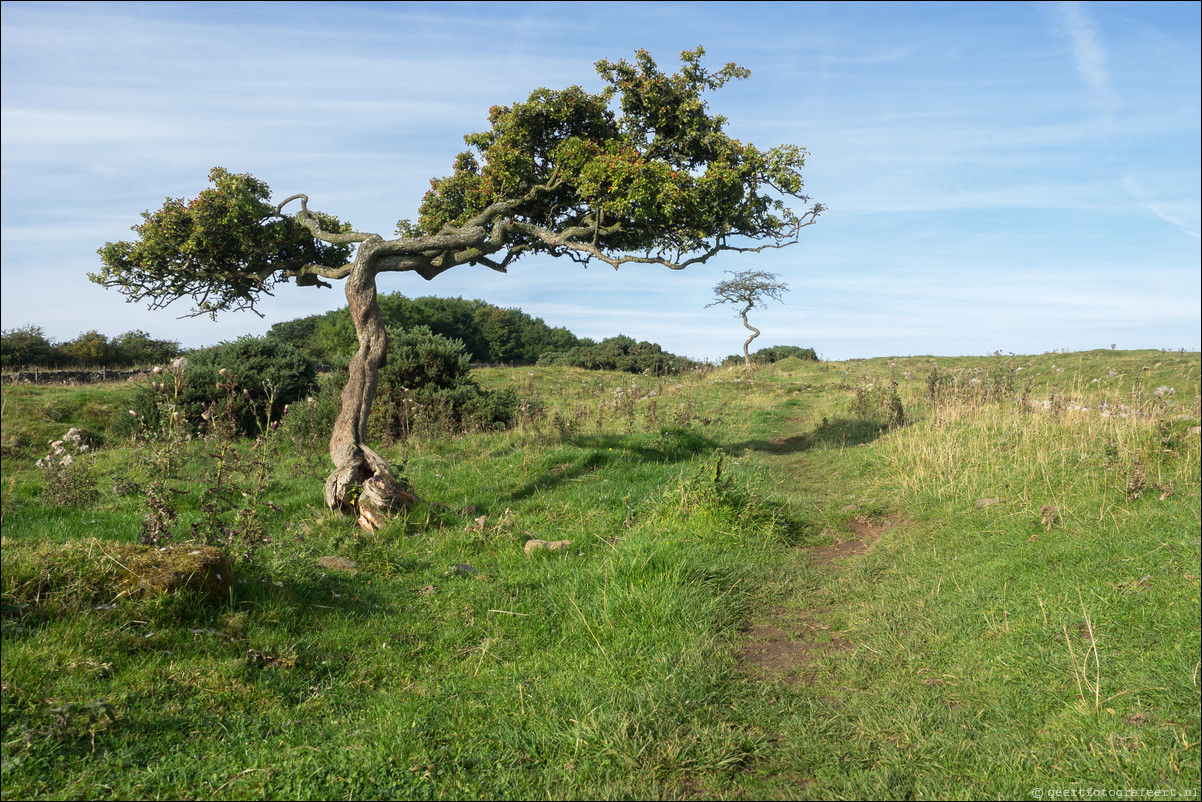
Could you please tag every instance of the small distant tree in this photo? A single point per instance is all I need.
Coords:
(639, 174)
(749, 288)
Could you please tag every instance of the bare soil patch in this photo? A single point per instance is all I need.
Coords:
(867, 530)
(785, 646)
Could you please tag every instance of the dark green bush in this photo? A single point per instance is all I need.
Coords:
(426, 386)
(419, 358)
(488, 333)
(774, 353)
(244, 384)
(261, 376)
(620, 353)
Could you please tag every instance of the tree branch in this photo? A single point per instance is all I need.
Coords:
(310, 221)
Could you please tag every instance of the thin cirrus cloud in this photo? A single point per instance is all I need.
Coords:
(985, 165)
(1170, 203)
(1088, 49)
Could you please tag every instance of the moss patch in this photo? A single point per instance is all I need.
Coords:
(58, 578)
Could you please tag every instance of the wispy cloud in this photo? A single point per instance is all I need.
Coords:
(1088, 50)
(1089, 53)
(1185, 213)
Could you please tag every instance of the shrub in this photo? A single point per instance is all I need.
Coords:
(488, 333)
(878, 402)
(244, 384)
(426, 386)
(308, 422)
(773, 354)
(620, 353)
(777, 353)
(418, 358)
(255, 376)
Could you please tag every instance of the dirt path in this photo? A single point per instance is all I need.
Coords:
(785, 643)
(784, 646)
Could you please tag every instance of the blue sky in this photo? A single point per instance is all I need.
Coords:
(1021, 177)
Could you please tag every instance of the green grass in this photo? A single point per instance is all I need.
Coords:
(1032, 622)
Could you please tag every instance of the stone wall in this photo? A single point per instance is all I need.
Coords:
(81, 376)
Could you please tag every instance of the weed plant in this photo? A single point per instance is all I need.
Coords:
(68, 472)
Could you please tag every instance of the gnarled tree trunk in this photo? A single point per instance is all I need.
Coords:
(362, 482)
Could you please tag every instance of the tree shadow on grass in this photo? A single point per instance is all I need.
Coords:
(601, 450)
(677, 445)
(837, 433)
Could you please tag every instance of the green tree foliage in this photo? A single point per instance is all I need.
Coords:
(661, 178)
(301, 334)
(540, 339)
(139, 348)
(336, 336)
(222, 249)
(502, 330)
(90, 349)
(561, 173)
(29, 346)
(25, 347)
(453, 318)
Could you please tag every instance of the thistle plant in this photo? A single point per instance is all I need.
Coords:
(165, 435)
(230, 505)
(68, 471)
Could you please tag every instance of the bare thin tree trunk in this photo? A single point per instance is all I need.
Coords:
(362, 481)
(747, 343)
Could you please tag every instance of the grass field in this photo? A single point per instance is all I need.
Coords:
(894, 579)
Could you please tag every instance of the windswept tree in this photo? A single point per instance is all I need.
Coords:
(638, 174)
(748, 289)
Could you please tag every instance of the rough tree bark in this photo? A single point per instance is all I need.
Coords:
(362, 481)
